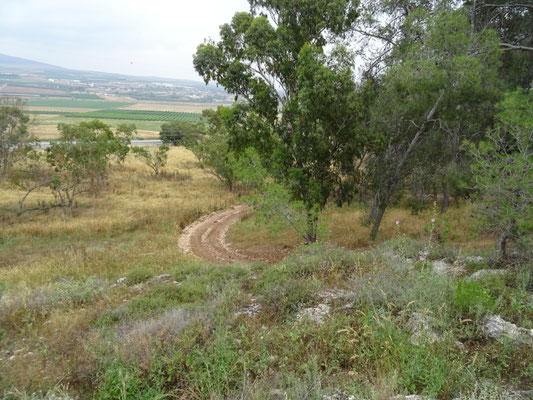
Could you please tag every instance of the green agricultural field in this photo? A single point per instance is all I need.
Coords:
(140, 115)
(97, 105)
(86, 96)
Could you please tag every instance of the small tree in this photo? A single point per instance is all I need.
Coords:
(122, 140)
(34, 174)
(154, 157)
(13, 135)
(213, 152)
(80, 159)
(503, 173)
(178, 133)
(274, 205)
(171, 133)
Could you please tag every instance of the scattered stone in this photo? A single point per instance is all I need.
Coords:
(485, 273)
(121, 280)
(495, 327)
(420, 324)
(338, 395)
(11, 358)
(314, 314)
(330, 295)
(460, 345)
(442, 268)
(251, 310)
(278, 393)
(162, 278)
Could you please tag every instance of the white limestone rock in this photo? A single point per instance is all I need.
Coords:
(495, 327)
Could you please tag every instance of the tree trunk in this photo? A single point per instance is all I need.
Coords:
(311, 234)
(374, 209)
(445, 197)
(502, 243)
(377, 221)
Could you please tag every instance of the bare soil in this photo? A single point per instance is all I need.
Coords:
(206, 238)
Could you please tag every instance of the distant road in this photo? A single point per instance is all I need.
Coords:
(148, 142)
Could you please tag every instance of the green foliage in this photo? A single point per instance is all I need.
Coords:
(171, 133)
(120, 381)
(81, 156)
(274, 204)
(472, 299)
(32, 175)
(213, 152)
(424, 106)
(281, 70)
(510, 20)
(503, 173)
(138, 275)
(180, 133)
(14, 135)
(153, 157)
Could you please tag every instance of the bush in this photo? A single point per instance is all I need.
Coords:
(138, 275)
(286, 297)
(471, 298)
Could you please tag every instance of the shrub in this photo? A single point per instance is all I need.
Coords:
(471, 298)
(284, 298)
(138, 275)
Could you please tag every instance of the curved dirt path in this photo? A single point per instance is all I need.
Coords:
(206, 237)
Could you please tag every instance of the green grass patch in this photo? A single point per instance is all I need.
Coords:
(138, 275)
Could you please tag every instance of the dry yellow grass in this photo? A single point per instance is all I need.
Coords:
(41, 131)
(44, 131)
(133, 205)
(345, 228)
(135, 223)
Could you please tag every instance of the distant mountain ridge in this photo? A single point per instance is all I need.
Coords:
(17, 65)
(14, 65)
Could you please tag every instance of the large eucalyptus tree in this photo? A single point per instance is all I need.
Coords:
(285, 59)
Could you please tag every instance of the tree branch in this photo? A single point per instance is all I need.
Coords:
(375, 36)
(508, 46)
(510, 5)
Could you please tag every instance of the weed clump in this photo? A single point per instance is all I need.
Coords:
(138, 275)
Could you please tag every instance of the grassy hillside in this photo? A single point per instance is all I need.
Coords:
(328, 318)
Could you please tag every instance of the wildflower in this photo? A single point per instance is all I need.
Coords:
(421, 258)
(432, 219)
(426, 252)
(397, 222)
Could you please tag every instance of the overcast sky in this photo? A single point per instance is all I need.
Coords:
(134, 37)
